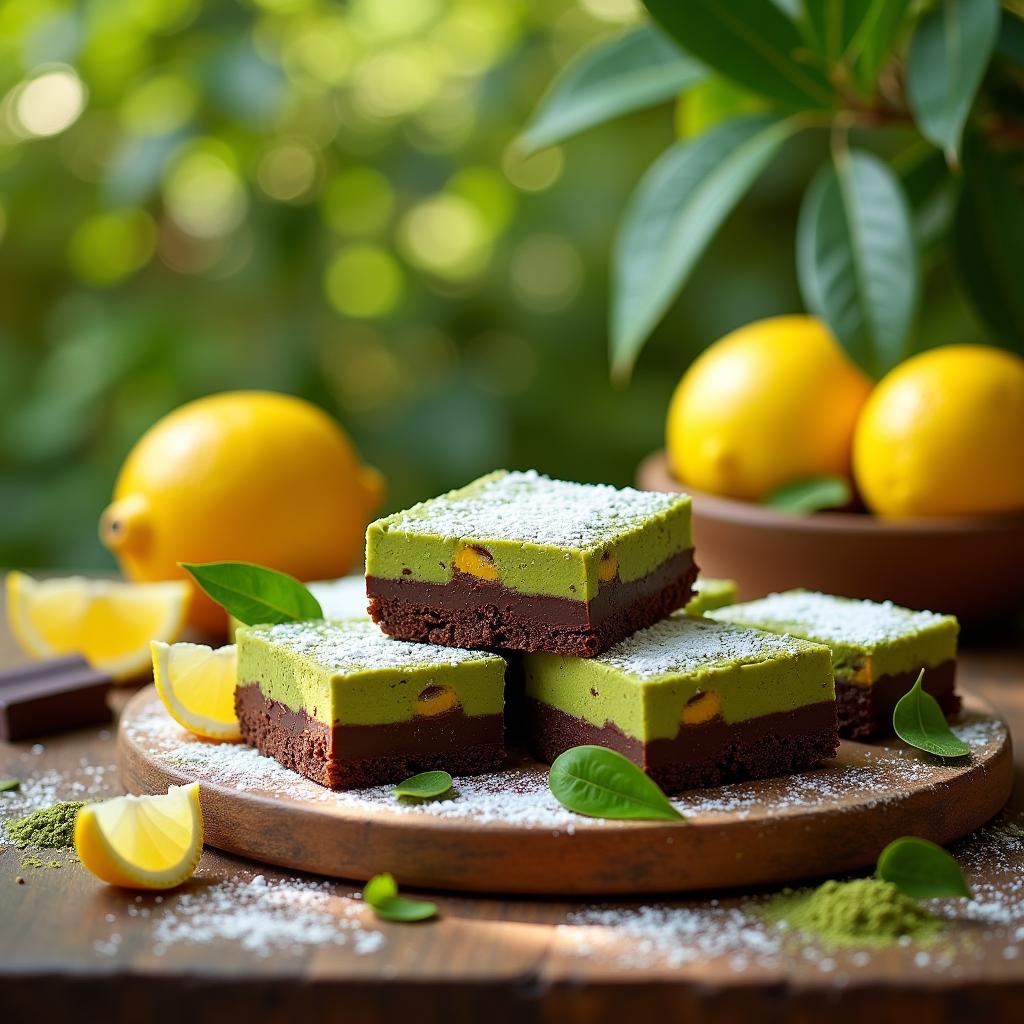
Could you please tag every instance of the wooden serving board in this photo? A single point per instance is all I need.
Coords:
(506, 833)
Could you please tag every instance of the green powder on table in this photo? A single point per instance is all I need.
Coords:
(49, 827)
(863, 912)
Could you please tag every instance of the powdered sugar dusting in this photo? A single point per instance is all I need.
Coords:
(529, 508)
(832, 620)
(683, 645)
(358, 645)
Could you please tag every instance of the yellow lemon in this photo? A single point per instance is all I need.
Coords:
(110, 624)
(142, 842)
(771, 404)
(250, 476)
(943, 435)
(197, 685)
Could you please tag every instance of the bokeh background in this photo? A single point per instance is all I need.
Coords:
(327, 198)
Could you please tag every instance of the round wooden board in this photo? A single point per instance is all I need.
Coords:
(506, 833)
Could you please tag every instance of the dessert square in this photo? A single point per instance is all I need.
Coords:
(692, 702)
(346, 706)
(709, 593)
(518, 561)
(878, 650)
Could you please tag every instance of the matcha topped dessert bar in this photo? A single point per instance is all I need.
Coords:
(518, 561)
(692, 702)
(878, 650)
(346, 706)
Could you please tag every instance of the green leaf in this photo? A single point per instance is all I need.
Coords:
(381, 893)
(425, 786)
(634, 71)
(254, 594)
(949, 52)
(678, 206)
(988, 232)
(603, 784)
(752, 42)
(711, 102)
(919, 721)
(9, 785)
(857, 259)
(807, 496)
(921, 869)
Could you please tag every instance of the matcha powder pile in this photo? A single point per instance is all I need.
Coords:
(863, 912)
(49, 827)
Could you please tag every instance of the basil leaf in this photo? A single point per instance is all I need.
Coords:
(254, 594)
(921, 869)
(601, 783)
(381, 893)
(425, 786)
(808, 496)
(919, 721)
(634, 71)
(9, 785)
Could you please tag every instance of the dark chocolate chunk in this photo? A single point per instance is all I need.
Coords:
(51, 696)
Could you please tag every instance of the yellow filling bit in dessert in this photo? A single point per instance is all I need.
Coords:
(476, 561)
(609, 567)
(700, 708)
(863, 673)
(435, 700)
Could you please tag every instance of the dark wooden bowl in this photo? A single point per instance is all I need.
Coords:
(971, 568)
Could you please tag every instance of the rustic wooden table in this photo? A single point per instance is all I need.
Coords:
(74, 949)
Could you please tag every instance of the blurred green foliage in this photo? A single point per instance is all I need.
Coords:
(327, 199)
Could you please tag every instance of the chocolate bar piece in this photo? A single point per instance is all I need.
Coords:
(51, 696)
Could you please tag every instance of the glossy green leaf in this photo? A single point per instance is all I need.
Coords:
(882, 27)
(921, 869)
(425, 786)
(831, 25)
(634, 71)
(601, 783)
(676, 209)
(807, 496)
(254, 594)
(918, 720)
(752, 42)
(381, 893)
(9, 785)
(857, 259)
(949, 52)
(988, 234)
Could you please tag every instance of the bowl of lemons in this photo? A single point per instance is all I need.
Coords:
(805, 472)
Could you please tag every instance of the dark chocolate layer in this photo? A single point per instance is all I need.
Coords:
(700, 755)
(867, 710)
(470, 612)
(352, 756)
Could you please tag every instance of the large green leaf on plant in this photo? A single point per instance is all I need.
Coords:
(988, 234)
(633, 71)
(752, 42)
(856, 258)
(948, 56)
(676, 209)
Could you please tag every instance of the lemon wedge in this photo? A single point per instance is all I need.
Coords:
(197, 685)
(109, 623)
(142, 842)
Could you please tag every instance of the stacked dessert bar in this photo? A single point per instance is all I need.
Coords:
(575, 586)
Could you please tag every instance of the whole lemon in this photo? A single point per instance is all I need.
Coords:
(251, 476)
(771, 404)
(943, 435)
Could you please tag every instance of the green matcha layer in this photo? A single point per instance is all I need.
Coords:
(867, 639)
(710, 593)
(534, 535)
(683, 671)
(349, 673)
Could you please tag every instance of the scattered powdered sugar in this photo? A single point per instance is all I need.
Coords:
(684, 644)
(358, 645)
(529, 508)
(828, 619)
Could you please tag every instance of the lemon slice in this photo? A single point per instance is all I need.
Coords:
(142, 842)
(109, 623)
(197, 685)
